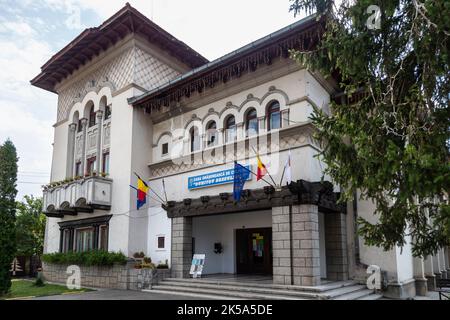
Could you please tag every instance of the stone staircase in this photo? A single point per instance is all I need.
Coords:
(222, 289)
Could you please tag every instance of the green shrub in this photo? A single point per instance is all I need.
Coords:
(88, 258)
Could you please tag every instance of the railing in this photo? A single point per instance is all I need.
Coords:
(83, 195)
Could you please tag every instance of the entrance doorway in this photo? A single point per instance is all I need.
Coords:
(254, 251)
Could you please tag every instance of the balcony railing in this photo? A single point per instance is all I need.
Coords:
(82, 195)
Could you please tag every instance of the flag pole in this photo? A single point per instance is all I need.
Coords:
(164, 187)
(285, 165)
(147, 195)
(151, 189)
(274, 183)
(256, 175)
(282, 175)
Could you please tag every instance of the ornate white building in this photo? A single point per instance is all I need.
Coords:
(132, 98)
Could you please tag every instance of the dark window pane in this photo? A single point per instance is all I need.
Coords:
(105, 168)
(165, 148)
(161, 244)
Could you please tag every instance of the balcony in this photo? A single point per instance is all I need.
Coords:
(82, 195)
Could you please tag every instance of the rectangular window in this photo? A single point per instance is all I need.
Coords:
(161, 242)
(84, 239)
(90, 167)
(103, 238)
(105, 168)
(165, 148)
(66, 241)
(77, 169)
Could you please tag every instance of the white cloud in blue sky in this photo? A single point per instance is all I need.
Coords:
(32, 31)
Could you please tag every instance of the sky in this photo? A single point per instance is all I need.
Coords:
(31, 31)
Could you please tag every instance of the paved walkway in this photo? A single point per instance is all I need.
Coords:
(108, 294)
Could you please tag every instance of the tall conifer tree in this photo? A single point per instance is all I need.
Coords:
(8, 192)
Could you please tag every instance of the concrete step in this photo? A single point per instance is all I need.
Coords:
(318, 289)
(336, 293)
(247, 289)
(220, 293)
(373, 296)
(356, 295)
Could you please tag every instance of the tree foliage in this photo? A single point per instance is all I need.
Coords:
(392, 143)
(8, 191)
(30, 226)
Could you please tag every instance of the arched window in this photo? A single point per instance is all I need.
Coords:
(91, 117)
(251, 123)
(107, 112)
(273, 116)
(211, 134)
(195, 139)
(230, 129)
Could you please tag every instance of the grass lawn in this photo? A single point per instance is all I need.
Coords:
(26, 288)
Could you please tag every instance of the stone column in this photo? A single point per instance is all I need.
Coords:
(181, 247)
(84, 122)
(99, 157)
(419, 276)
(281, 245)
(429, 273)
(71, 151)
(437, 266)
(444, 265)
(220, 136)
(305, 245)
(295, 236)
(285, 118)
(336, 246)
(262, 124)
(240, 131)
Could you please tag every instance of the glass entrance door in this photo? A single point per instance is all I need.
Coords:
(254, 251)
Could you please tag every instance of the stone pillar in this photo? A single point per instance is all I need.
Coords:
(281, 245)
(429, 273)
(262, 124)
(444, 265)
(336, 246)
(419, 276)
(84, 122)
(285, 118)
(305, 245)
(437, 266)
(295, 236)
(99, 157)
(220, 136)
(240, 131)
(71, 151)
(181, 247)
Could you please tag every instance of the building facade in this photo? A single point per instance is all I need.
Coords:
(133, 99)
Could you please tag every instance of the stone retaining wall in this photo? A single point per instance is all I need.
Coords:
(124, 277)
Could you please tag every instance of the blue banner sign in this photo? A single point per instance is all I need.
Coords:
(213, 178)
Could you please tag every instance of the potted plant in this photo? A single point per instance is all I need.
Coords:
(94, 173)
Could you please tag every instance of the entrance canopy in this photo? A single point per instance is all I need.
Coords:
(300, 192)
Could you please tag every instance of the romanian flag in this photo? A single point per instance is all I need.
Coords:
(262, 171)
(142, 189)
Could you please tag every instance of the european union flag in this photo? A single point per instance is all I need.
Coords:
(241, 174)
